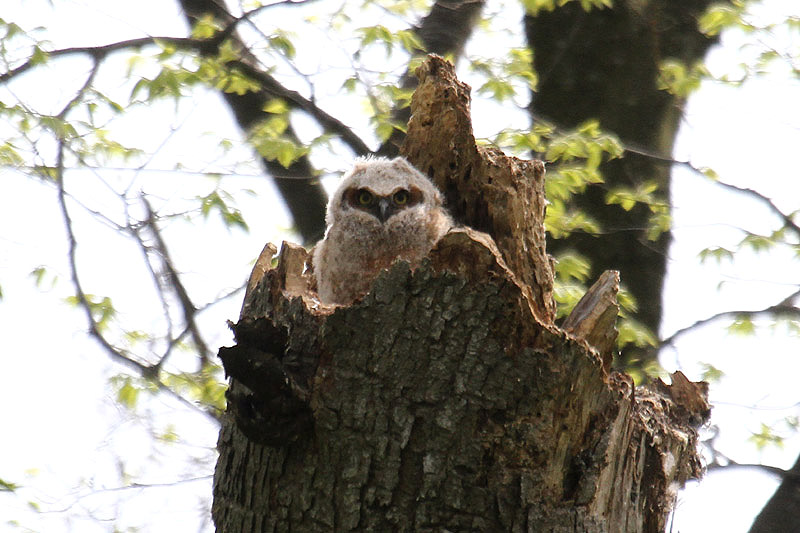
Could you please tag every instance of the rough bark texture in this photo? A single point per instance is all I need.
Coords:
(444, 400)
(594, 317)
(444, 31)
(484, 189)
(604, 64)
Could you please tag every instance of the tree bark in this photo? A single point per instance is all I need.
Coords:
(604, 64)
(444, 31)
(445, 399)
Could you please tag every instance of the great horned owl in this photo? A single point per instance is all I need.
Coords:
(383, 210)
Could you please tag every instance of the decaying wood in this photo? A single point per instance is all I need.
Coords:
(263, 264)
(446, 399)
(594, 317)
(484, 189)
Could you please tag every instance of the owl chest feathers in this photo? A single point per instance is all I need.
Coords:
(384, 211)
(403, 235)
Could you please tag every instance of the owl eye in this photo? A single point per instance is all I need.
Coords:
(365, 197)
(401, 197)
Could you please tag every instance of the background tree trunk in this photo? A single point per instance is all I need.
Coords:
(444, 31)
(446, 399)
(604, 64)
(782, 511)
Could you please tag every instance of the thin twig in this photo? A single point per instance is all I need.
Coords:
(270, 84)
(116, 354)
(780, 472)
(784, 308)
(187, 306)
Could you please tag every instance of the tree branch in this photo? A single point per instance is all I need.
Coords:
(784, 308)
(298, 101)
(121, 356)
(149, 372)
(187, 306)
(786, 219)
(780, 472)
(444, 31)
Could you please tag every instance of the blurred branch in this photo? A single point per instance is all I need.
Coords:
(188, 308)
(783, 309)
(305, 198)
(786, 219)
(211, 46)
(780, 472)
(445, 30)
(297, 101)
(119, 355)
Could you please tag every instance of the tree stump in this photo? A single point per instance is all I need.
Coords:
(446, 399)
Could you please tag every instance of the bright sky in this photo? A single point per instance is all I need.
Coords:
(65, 434)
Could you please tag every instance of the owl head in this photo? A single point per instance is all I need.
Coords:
(380, 189)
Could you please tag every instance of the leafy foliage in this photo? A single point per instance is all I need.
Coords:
(766, 437)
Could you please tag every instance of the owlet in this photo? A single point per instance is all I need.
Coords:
(383, 210)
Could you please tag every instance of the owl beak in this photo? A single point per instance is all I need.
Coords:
(384, 209)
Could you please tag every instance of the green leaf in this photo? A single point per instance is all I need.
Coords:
(561, 222)
(568, 180)
(642, 193)
(572, 266)
(757, 243)
(218, 201)
(720, 16)
(136, 336)
(102, 309)
(710, 373)
(128, 395)
(635, 333)
(742, 325)
(60, 128)
(410, 42)
(766, 437)
(39, 56)
(205, 28)
(376, 34)
(276, 106)
(237, 83)
(205, 386)
(658, 223)
(627, 301)
(500, 90)
(9, 157)
(566, 296)
(283, 45)
(350, 84)
(38, 275)
(7, 486)
(281, 150)
(718, 253)
(169, 435)
(675, 78)
(532, 7)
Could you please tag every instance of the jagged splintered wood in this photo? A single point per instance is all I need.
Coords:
(446, 399)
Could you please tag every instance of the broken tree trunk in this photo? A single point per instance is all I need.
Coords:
(446, 399)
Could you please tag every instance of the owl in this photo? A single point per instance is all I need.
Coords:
(383, 210)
